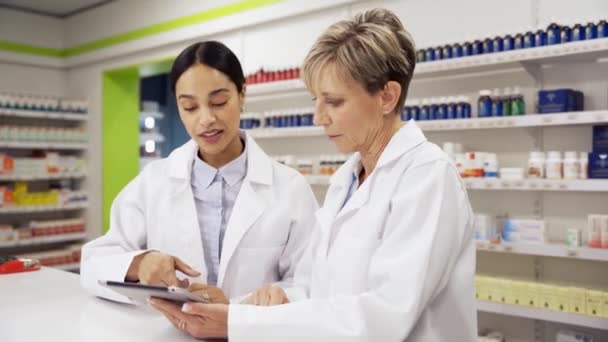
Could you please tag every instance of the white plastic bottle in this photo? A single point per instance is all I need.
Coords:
(553, 167)
(536, 165)
(584, 165)
(571, 165)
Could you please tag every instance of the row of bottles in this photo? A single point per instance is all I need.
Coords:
(266, 75)
(452, 107)
(552, 35)
(494, 103)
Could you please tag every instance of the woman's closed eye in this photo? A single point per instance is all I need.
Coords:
(334, 102)
(219, 105)
(190, 108)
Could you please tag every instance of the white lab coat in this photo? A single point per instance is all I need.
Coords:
(266, 235)
(400, 268)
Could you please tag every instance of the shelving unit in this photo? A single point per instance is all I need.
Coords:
(546, 250)
(543, 315)
(30, 114)
(42, 208)
(581, 185)
(16, 178)
(44, 240)
(43, 145)
(530, 120)
(73, 146)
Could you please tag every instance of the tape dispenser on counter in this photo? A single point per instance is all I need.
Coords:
(16, 265)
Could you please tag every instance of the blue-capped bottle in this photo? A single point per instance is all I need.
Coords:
(497, 44)
(430, 54)
(433, 105)
(467, 49)
(459, 114)
(467, 111)
(476, 47)
(529, 40)
(554, 33)
(406, 112)
(518, 41)
(565, 34)
(590, 31)
(602, 29)
(309, 117)
(439, 53)
(450, 108)
(457, 50)
(496, 103)
(578, 33)
(540, 38)
(484, 104)
(424, 110)
(415, 109)
(508, 43)
(298, 118)
(446, 52)
(488, 45)
(442, 108)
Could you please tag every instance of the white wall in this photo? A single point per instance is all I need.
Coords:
(18, 78)
(20, 73)
(123, 16)
(31, 29)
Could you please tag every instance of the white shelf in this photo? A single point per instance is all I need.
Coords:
(530, 120)
(43, 208)
(43, 145)
(276, 87)
(583, 185)
(156, 137)
(543, 315)
(32, 114)
(67, 267)
(588, 50)
(289, 132)
(43, 240)
(155, 115)
(549, 250)
(5, 178)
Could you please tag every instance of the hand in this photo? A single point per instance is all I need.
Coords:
(155, 268)
(268, 296)
(197, 319)
(215, 294)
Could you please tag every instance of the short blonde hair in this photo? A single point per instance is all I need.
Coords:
(372, 48)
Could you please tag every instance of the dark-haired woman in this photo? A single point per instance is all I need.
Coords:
(217, 211)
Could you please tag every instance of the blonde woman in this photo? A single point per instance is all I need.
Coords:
(392, 257)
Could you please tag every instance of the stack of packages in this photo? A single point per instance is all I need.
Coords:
(524, 231)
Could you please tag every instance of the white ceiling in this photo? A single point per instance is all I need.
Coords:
(55, 8)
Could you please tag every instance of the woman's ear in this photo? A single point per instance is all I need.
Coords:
(390, 96)
(242, 97)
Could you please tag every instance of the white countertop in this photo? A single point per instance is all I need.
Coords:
(50, 305)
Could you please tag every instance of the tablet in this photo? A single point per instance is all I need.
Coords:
(140, 293)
